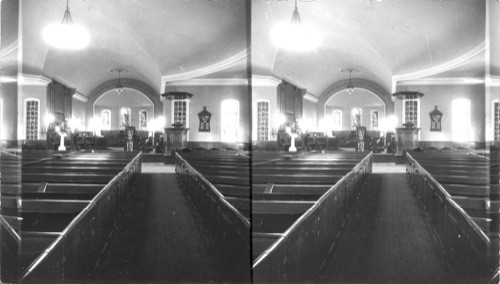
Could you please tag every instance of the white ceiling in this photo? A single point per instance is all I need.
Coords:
(129, 98)
(158, 38)
(153, 38)
(382, 39)
(361, 98)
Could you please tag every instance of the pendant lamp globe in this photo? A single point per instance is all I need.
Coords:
(66, 35)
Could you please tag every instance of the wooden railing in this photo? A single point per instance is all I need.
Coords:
(299, 254)
(465, 245)
(227, 228)
(9, 251)
(74, 255)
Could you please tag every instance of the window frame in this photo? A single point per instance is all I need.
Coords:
(110, 117)
(256, 122)
(26, 118)
(453, 121)
(224, 119)
(129, 111)
(352, 117)
(497, 101)
(172, 110)
(372, 128)
(147, 118)
(341, 126)
(418, 111)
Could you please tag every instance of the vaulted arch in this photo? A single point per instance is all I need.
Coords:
(339, 86)
(127, 83)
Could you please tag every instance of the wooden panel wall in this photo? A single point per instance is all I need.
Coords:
(290, 99)
(60, 100)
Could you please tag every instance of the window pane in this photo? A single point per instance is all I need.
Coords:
(411, 111)
(374, 120)
(337, 119)
(356, 114)
(461, 120)
(125, 117)
(496, 113)
(143, 120)
(32, 117)
(106, 119)
(230, 120)
(180, 112)
(262, 121)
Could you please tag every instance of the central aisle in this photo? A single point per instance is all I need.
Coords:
(158, 238)
(387, 239)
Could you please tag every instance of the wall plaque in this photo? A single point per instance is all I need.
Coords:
(204, 117)
(436, 116)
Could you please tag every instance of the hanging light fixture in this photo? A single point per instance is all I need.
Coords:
(66, 35)
(350, 85)
(119, 85)
(295, 36)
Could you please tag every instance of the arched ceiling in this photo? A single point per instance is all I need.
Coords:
(383, 39)
(129, 97)
(169, 38)
(154, 38)
(361, 98)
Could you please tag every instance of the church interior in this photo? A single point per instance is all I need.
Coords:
(349, 141)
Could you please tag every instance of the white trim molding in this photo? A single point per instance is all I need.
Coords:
(208, 82)
(265, 81)
(492, 81)
(33, 80)
(219, 66)
(443, 81)
(80, 97)
(310, 97)
(450, 65)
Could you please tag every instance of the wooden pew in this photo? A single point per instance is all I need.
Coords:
(453, 191)
(464, 177)
(276, 216)
(70, 196)
(292, 224)
(46, 215)
(66, 178)
(262, 241)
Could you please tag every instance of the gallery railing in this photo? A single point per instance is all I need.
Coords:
(299, 254)
(465, 245)
(227, 228)
(74, 255)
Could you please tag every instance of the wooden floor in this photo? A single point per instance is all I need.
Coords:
(158, 239)
(387, 239)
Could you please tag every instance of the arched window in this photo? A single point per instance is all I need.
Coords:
(337, 119)
(125, 118)
(263, 120)
(143, 120)
(461, 118)
(230, 120)
(356, 115)
(374, 119)
(496, 120)
(106, 119)
(32, 118)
